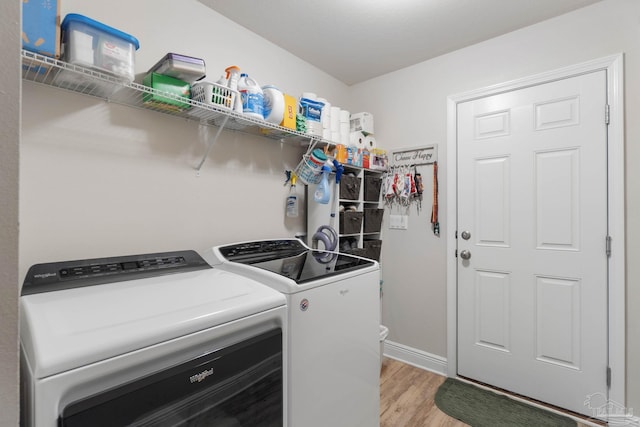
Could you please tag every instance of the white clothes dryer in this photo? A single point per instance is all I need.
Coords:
(334, 326)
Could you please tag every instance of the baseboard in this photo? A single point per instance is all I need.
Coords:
(626, 421)
(418, 358)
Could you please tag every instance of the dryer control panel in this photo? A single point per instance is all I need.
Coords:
(55, 276)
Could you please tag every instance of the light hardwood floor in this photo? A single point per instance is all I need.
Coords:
(407, 397)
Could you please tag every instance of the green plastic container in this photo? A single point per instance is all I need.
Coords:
(168, 84)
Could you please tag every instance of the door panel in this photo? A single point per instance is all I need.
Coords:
(492, 201)
(558, 303)
(532, 193)
(557, 199)
(492, 310)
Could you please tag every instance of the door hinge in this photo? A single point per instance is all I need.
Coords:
(608, 246)
(607, 114)
(608, 377)
(456, 253)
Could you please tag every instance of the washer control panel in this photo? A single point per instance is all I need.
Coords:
(240, 251)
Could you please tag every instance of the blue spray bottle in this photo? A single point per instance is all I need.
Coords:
(322, 190)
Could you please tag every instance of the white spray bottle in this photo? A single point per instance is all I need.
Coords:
(233, 72)
(292, 199)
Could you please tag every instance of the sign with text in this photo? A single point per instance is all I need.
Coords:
(425, 155)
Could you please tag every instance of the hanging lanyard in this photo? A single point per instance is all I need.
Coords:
(434, 209)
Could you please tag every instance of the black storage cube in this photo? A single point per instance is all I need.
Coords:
(372, 248)
(348, 243)
(372, 220)
(350, 222)
(361, 252)
(372, 185)
(349, 187)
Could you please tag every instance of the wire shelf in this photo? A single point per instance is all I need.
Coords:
(52, 72)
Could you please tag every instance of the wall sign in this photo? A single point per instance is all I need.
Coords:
(424, 155)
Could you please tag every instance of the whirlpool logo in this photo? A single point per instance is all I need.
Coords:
(44, 275)
(201, 376)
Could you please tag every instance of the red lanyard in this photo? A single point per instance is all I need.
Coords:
(434, 209)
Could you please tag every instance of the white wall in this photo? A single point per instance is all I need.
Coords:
(99, 179)
(410, 109)
(9, 140)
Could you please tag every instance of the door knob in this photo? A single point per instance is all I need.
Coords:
(465, 254)
(466, 235)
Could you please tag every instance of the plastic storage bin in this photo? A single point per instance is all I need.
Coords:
(349, 187)
(214, 94)
(91, 44)
(181, 67)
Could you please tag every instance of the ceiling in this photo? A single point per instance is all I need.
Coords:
(356, 40)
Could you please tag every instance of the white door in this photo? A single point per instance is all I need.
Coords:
(532, 199)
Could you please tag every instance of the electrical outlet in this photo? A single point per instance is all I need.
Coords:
(398, 222)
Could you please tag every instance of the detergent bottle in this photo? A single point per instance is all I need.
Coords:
(322, 190)
(252, 97)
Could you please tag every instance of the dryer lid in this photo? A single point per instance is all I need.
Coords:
(68, 328)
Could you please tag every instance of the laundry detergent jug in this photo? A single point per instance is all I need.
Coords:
(252, 97)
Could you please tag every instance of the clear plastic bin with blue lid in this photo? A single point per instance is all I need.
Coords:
(92, 44)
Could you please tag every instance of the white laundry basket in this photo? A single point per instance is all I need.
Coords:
(384, 332)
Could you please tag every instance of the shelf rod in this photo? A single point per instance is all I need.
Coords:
(211, 144)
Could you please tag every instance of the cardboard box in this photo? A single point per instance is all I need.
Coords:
(167, 84)
(290, 109)
(378, 162)
(41, 27)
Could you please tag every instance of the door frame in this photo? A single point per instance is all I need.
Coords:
(616, 202)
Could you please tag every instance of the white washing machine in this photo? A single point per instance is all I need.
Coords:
(334, 327)
(150, 340)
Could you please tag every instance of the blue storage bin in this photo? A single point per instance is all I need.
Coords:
(92, 44)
